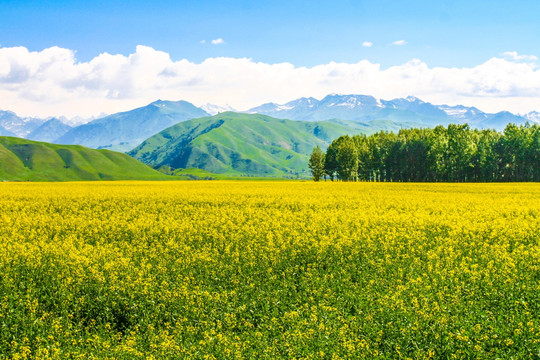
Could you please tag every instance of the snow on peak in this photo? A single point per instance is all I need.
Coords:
(413, 99)
(350, 102)
(213, 109)
(453, 111)
(284, 107)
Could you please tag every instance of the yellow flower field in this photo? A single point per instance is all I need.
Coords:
(269, 270)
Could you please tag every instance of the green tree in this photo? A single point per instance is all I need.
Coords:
(461, 149)
(382, 143)
(316, 163)
(407, 158)
(363, 152)
(485, 160)
(330, 162)
(347, 159)
(454, 153)
(438, 154)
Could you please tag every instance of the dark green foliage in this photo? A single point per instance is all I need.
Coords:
(330, 160)
(316, 163)
(347, 159)
(456, 153)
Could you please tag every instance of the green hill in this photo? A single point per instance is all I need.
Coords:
(242, 144)
(26, 160)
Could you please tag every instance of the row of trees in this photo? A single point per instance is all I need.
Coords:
(456, 153)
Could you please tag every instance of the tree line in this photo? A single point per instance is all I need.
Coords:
(455, 153)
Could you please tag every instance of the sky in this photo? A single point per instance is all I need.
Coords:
(81, 58)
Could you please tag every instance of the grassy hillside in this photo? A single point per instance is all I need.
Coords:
(241, 144)
(26, 160)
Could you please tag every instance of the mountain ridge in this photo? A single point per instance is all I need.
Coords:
(125, 130)
(49, 131)
(20, 126)
(365, 108)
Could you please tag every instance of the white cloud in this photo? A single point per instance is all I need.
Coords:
(367, 44)
(203, 41)
(513, 55)
(52, 82)
(399, 42)
(218, 41)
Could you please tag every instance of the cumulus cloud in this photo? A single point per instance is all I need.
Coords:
(513, 55)
(52, 82)
(218, 41)
(367, 44)
(399, 42)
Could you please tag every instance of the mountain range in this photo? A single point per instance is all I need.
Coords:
(410, 109)
(49, 131)
(123, 131)
(18, 126)
(4, 132)
(268, 140)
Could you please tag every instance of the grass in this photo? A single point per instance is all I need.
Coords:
(26, 160)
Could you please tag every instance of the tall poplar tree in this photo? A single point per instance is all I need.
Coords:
(347, 159)
(316, 163)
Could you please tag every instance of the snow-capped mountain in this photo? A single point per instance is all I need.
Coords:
(79, 120)
(213, 109)
(345, 107)
(462, 113)
(125, 130)
(18, 125)
(409, 110)
(122, 131)
(292, 110)
(38, 129)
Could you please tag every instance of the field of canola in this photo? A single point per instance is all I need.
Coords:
(269, 270)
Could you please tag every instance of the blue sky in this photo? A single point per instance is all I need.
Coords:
(87, 57)
(305, 33)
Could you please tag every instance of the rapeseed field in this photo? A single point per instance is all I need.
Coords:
(269, 270)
